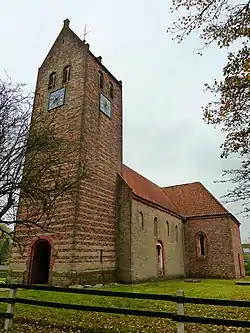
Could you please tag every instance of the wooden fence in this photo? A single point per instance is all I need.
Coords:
(178, 317)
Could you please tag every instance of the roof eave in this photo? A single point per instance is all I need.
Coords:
(214, 215)
(149, 202)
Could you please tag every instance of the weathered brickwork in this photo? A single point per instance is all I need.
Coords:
(218, 260)
(96, 223)
(136, 244)
(85, 224)
(124, 225)
(144, 241)
(237, 250)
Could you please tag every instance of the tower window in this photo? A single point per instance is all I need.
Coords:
(101, 80)
(52, 80)
(66, 74)
(111, 90)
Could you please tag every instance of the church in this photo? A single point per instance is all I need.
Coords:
(123, 228)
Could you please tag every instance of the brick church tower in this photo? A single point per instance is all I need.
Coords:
(85, 100)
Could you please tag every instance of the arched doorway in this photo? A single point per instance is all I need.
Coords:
(160, 261)
(40, 262)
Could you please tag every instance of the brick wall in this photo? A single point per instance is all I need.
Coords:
(123, 244)
(237, 250)
(219, 258)
(83, 224)
(96, 220)
(144, 240)
(66, 120)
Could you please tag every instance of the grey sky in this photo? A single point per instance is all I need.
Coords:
(165, 138)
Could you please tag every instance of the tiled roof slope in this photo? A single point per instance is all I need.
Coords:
(194, 199)
(147, 190)
(188, 200)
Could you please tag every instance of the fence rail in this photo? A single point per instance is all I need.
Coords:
(178, 317)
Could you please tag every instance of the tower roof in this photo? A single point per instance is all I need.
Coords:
(67, 31)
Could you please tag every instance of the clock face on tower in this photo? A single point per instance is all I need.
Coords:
(105, 105)
(56, 98)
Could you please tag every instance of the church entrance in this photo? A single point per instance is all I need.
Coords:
(40, 262)
(159, 251)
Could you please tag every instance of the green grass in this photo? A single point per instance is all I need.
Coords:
(48, 319)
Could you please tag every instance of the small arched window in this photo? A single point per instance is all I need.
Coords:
(167, 228)
(201, 244)
(141, 221)
(66, 74)
(155, 226)
(160, 258)
(111, 90)
(176, 233)
(52, 80)
(101, 80)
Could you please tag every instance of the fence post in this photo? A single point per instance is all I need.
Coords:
(10, 308)
(180, 311)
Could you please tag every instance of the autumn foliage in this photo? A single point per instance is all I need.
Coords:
(227, 24)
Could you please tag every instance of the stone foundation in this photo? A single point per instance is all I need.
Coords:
(83, 278)
(16, 277)
(67, 279)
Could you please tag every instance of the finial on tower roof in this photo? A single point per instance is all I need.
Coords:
(66, 23)
(85, 33)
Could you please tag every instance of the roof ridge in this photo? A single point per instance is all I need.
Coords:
(183, 184)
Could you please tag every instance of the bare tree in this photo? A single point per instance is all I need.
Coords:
(225, 23)
(37, 167)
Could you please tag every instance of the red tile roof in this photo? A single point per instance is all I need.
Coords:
(145, 189)
(188, 200)
(194, 199)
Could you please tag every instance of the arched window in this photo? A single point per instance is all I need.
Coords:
(66, 74)
(201, 244)
(167, 228)
(52, 80)
(155, 226)
(160, 258)
(101, 80)
(141, 222)
(111, 90)
(176, 233)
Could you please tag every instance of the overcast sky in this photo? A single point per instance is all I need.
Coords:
(165, 138)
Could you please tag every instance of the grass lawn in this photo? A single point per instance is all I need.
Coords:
(32, 318)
